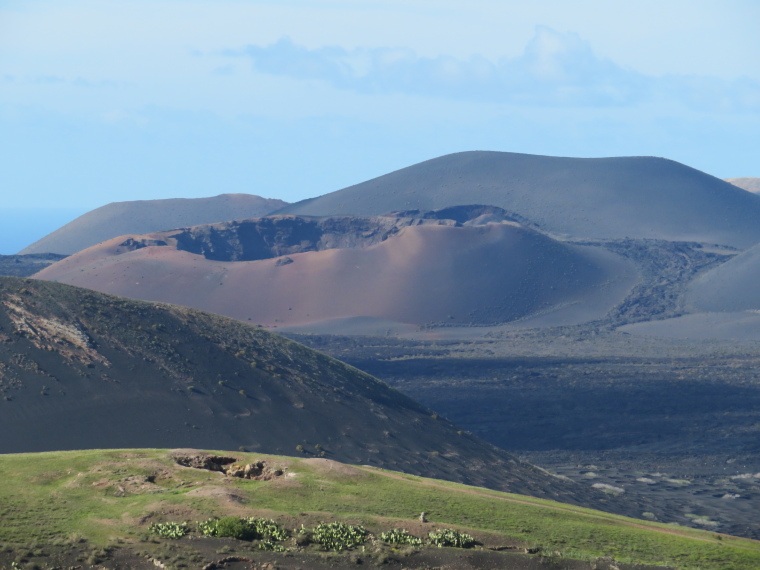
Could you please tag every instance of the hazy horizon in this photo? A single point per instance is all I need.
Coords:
(114, 100)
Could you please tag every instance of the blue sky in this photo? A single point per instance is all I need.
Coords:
(107, 100)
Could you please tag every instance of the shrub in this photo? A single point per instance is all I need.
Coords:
(243, 529)
(339, 536)
(169, 529)
(232, 527)
(400, 536)
(267, 529)
(450, 537)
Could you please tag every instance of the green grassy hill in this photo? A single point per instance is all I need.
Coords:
(98, 507)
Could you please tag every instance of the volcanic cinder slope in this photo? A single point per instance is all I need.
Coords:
(638, 197)
(142, 216)
(468, 266)
(80, 370)
(748, 183)
(732, 286)
(724, 303)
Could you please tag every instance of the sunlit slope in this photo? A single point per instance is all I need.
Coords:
(141, 216)
(732, 286)
(748, 183)
(112, 496)
(426, 274)
(642, 197)
(722, 303)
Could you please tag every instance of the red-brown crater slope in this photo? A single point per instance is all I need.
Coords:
(469, 265)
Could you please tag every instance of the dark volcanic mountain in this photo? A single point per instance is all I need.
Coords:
(25, 265)
(459, 266)
(590, 198)
(80, 369)
(142, 216)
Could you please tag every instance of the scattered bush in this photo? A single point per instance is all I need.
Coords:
(169, 529)
(450, 537)
(339, 536)
(232, 527)
(251, 528)
(400, 536)
(267, 529)
(331, 536)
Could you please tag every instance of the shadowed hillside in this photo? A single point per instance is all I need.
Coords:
(25, 265)
(85, 370)
(637, 197)
(478, 268)
(142, 216)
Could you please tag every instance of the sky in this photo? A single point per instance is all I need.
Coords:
(109, 100)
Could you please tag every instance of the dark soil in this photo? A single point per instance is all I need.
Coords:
(217, 554)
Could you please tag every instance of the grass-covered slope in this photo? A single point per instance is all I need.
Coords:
(100, 505)
(638, 197)
(83, 370)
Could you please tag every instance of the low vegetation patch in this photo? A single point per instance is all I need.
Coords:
(169, 529)
(250, 528)
(267, 529)
(451, 537)
(401, 536)
(339, 536)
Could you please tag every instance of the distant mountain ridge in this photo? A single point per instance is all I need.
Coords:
(748, 183)
(587, 198)
(143, 216)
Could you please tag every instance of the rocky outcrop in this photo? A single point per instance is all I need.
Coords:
(200, 459)
(276, 236)
(258, 470)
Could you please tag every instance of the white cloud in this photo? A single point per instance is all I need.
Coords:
(555, 69)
